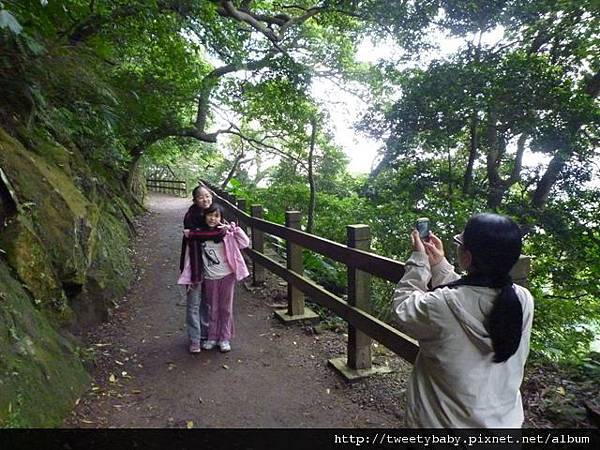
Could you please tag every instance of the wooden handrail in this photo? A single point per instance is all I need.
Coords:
(380, 266)
(377, 265)
(385, 334)
(178, 187)
(153, 180)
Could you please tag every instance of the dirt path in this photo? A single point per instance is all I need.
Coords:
(274, 376)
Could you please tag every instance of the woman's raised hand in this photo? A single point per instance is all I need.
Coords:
(434, 249)
(417, 243)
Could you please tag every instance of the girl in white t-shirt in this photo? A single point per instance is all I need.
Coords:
(222, 265)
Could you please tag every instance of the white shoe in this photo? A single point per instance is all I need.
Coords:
(224, 346)
(209, 345)
(195, 347)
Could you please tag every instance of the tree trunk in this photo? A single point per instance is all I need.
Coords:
(474, 136)
(496, 185)
(542, 191)
(233, 169)
(133, 167)
(311, 178)
(450, 187)
(544, 186)
(468, 178)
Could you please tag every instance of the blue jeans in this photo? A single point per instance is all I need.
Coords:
(197, 314)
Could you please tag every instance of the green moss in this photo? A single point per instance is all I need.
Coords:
(55, 155)
(56, 208)
(111, 263)
(27, 256)
(41, 375)
(110, 271)
(66, 243)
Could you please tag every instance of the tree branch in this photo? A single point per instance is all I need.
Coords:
(263, 146)
(234, 166)
(516, 172)
(227, 9)
(563, 154)
(211, 81)
(263, 23)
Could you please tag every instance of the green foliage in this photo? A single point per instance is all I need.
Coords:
(533, 91)
(124, 80)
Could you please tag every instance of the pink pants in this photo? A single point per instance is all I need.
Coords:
(219, 295)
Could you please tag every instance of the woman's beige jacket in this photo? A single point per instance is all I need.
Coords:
(454, 382)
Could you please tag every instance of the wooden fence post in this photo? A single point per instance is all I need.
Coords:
(358, 364)
(230, 215)
(520, 271)
(295, 297)
(241, 220)
(258, 244)
(296, 310)
(359, 295)
(241, 204)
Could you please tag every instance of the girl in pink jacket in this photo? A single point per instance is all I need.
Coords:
(222, 265)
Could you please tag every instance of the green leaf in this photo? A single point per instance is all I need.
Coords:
(33, 45)
(7, 20)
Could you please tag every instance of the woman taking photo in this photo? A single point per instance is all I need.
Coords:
(473, 331)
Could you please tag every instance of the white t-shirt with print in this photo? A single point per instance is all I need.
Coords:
(214, 261)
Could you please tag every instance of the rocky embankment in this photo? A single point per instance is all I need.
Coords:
(64, 233)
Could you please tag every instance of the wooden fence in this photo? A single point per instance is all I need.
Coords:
(360, 263)
(176, 187)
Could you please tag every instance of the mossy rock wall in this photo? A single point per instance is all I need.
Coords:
(64, 261)
(41, 375)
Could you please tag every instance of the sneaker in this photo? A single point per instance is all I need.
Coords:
(209, 344)
(195, 347)
(225, 346)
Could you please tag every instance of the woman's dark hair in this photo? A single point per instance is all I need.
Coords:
(495, 243)
(197, 189)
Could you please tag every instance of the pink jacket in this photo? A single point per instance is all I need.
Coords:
(235, 240)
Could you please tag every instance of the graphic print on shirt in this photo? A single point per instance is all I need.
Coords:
(211, 256)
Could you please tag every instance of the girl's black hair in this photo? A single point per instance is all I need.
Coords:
(214, 207)
(495, 243)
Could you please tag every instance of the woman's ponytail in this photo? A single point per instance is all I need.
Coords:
(504, 323)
